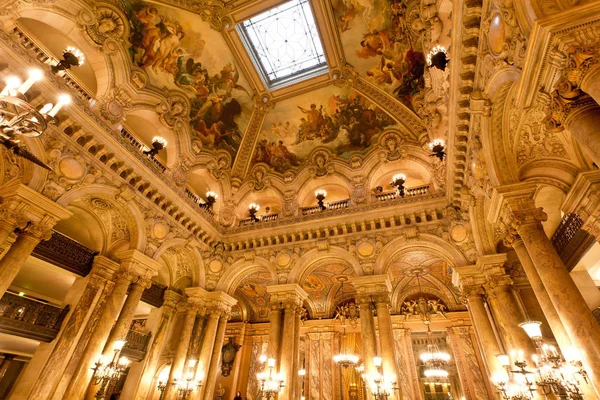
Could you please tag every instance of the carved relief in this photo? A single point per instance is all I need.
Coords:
(106, 23)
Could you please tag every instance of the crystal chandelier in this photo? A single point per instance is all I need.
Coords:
(381, 385)
(270, 382)
(434, 359)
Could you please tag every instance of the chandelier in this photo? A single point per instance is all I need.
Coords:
(270, 382)
(109, 371)
(345, 359)
(18, 118)
(550, 373)
(434, 359)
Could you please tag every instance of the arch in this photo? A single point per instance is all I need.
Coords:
(438, 289)
(425, 242)
(127, 209)
(315, 255)
(95, 73)
(237, 271)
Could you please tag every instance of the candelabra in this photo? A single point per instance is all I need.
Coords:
(321, 194)
(437, 147)
(185, 386)
(381, 386)
(398, 181)
(109, 371)
(72, 57)
(270, 382)
(252, 210)
(158, 143)
(211, 198)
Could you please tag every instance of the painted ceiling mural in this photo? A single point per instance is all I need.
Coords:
(171, 46)
(253, 289)
(339, 119)
(323, 287)
(379, 41)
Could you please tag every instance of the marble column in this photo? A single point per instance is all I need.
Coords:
(508, 315)
(178, 365)
(463, 350)
(71, 335)
(163, 332)
(215, 365)
(590, 83)
(83, 374)
(556, 325)
(516, 202)
(286, 366)
(7, 359)
(583, 122)
(275, 319)
(367, 333)
(119, 331)
(291, 297)
(482, 325)
(208, 343)
(20, 250)
(386, 339)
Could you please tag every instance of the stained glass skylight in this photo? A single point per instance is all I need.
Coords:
(284, 44)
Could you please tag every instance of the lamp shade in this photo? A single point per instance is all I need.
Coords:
(532, 328)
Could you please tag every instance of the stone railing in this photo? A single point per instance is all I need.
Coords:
(66, 253)
(136, 345)
(195, 200)
(335, 205)
(410, 192)
(570, 241)
(30, 318)
(262, 218)
(141, 148)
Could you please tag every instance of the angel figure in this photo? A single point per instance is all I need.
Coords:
(227, 80)
(435, 307)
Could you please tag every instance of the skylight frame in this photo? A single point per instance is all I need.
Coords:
(255, 46)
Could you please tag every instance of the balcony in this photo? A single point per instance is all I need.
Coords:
(570, 241)
(140, 148)
(66, 253)
(335, 205)
(30, 318)
(263, 218)
(392, 195)
(136, 345)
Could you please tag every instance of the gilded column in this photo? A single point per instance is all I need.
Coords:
(178, 364)
(581, 326)
(163, 332)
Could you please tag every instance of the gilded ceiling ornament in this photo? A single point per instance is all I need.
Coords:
(115, 104)
(322, 165)
(258, 174)
(175, 109)
(392, 143)
(108, 23)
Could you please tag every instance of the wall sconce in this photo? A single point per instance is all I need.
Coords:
(253, 209)
(158, 143)
(398, 181)
(320, 195)
(438, 146)
(72, 57)
(211, 198)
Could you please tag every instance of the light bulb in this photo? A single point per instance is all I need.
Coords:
(34, 76)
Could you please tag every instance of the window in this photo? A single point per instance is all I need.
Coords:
(284, 44)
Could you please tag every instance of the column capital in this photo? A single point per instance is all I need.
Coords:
(171, 298)
(104, 268)
(219, 303)
(137, 263)
(513, 205)
(29, 205)
(286, 295)
(375, 287)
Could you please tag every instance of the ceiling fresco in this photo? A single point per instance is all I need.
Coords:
(171, 46)
(380, 43)
(253, 290)
(339, 119)
(324, 287)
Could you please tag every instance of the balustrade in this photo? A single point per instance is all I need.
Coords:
(136, 345)
(570, 241)
(65, 253)
(410, 192)
(140, 147)
(30, 318)
(334, 205)
(263, 218)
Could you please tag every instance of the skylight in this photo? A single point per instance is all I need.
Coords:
(284, 44)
